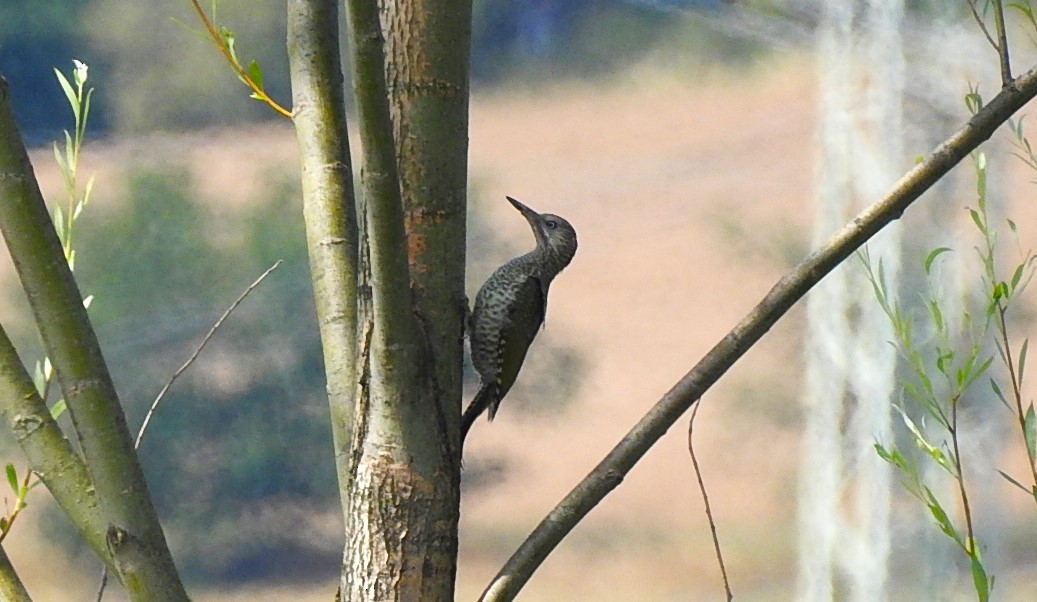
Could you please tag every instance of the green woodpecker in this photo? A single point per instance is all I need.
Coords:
(509, 310)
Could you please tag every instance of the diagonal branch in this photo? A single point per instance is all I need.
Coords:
(70, 342)
(48, 451)
(789, 289)
(198, 351)
(258, 92)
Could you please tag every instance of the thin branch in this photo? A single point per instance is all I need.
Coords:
(1016, 393)
(970, 543)
(791, 288)
(982, 25)
(198, 351)
(19, 505)
(1002, 43)
(240, 71)
(161, 394)
(705, 501)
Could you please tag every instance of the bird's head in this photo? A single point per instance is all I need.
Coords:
(554, 234)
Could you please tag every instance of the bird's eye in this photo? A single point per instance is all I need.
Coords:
(551, 224)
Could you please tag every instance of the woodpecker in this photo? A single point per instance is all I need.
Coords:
(509, 310)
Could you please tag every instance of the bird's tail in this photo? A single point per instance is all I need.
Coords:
(483, 400)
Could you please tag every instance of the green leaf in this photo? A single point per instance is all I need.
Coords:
(70, 152)
(923, 444)
(1013, 481)
(86, 194)
(973, 101)
(1000, 395)
(70, 94)
(1017, 275)
(996, 296)
(977, 220)
(1027, 11)
(60, 160)
(937, 315)
(255, 73)
(1022, 360)
(12, 477)
(1030, 432)
(933, 255)
(228, 40)
(942, 520)
(59, 223)
(979, 578)
(86, 113)
(974, 374)
(891, 455)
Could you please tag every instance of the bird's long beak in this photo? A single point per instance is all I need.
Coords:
(530, 215)
(536, 222)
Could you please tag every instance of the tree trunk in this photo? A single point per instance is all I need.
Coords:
(400, 477)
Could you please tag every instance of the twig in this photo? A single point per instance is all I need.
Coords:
(970, 544)
(1002, 43)
(19, 504)
(705, 501)
(217, 39)
(1016, 393)
(102, 585)
(176, 375)
(982, 25)
(194, 356)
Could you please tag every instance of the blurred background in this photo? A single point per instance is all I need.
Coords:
(682, 141)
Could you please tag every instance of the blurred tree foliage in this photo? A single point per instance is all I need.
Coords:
(239, 454)
(158, 75)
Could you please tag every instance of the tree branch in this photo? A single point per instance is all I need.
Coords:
(49, 453)
(11, 587)
(427, 77)
(71, 344)
(329, 207)
(394, 330)
(789, 289)
(1002, 43)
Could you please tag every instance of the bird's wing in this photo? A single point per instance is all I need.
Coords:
(521, 327)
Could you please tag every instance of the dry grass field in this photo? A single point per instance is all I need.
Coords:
(691, 196)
